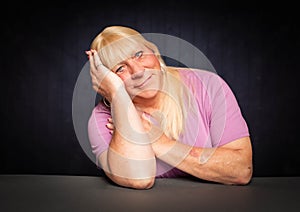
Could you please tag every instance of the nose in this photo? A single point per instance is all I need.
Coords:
(137, 70)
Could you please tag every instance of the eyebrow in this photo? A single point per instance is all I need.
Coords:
(132, 55)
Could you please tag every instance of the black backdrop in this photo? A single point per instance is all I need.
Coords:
(253, 47)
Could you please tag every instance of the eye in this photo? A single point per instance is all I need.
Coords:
(138, 54)
(119, 70)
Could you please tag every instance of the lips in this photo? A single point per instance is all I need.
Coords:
(143, 83)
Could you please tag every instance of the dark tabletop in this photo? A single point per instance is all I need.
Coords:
(91, 193)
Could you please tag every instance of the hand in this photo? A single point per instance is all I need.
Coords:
(150, 123)
(105, 82)
(110, 125)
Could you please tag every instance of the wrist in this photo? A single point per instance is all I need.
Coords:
(162, 145)
(116, 93)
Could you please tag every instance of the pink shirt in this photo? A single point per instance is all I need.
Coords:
(216, 121)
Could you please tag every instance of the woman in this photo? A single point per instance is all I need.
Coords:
(161, 121)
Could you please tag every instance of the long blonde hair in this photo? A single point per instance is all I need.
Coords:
(111, 52)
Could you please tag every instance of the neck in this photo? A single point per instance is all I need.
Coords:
(148, 104)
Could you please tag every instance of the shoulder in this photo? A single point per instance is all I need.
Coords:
(99, 114)
(200, 78)
(101, 108)
(197, 74)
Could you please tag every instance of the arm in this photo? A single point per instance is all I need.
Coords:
(129, 160)
(228, 164)
(230, 161)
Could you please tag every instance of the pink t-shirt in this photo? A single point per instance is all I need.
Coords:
(214, 118)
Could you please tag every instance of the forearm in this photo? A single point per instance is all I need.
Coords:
(223, 165)
(129, 181)
(130, 157)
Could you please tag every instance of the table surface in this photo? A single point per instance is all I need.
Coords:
(91, 193)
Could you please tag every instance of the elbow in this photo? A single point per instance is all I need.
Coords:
(244, 176)
(141, 184)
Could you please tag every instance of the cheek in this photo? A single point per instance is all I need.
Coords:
(152, 62)
(126, 80)
(124, 77)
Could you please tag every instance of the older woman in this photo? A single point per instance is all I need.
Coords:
(161, 121)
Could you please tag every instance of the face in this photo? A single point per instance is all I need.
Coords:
(141, 74)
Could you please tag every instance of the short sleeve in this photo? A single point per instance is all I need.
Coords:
(220, 117)
(98, 133)
(235, 125)
(226, 122)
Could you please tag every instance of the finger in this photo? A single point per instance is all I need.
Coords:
(110, 120)
(98, 64)
(145, 117)
(96, 58)
(94, 79)
(110, 126)
(154, 129)
(93, 76)
(156, 117)
(92, 64)
(96, 88)
(93, 72)
(88, 54)
(99, 70)
(95, 82)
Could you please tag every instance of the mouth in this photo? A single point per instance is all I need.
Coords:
(143, 83)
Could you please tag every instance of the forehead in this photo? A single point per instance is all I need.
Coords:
(120, 50)
(128, 53)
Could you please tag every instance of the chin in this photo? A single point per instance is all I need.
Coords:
(147, 94)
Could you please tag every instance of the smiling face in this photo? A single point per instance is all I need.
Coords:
(134, 59)
(141, 73)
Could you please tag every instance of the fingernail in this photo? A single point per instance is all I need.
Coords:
(109, 125)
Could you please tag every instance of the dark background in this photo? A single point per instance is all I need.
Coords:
(253, 46)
